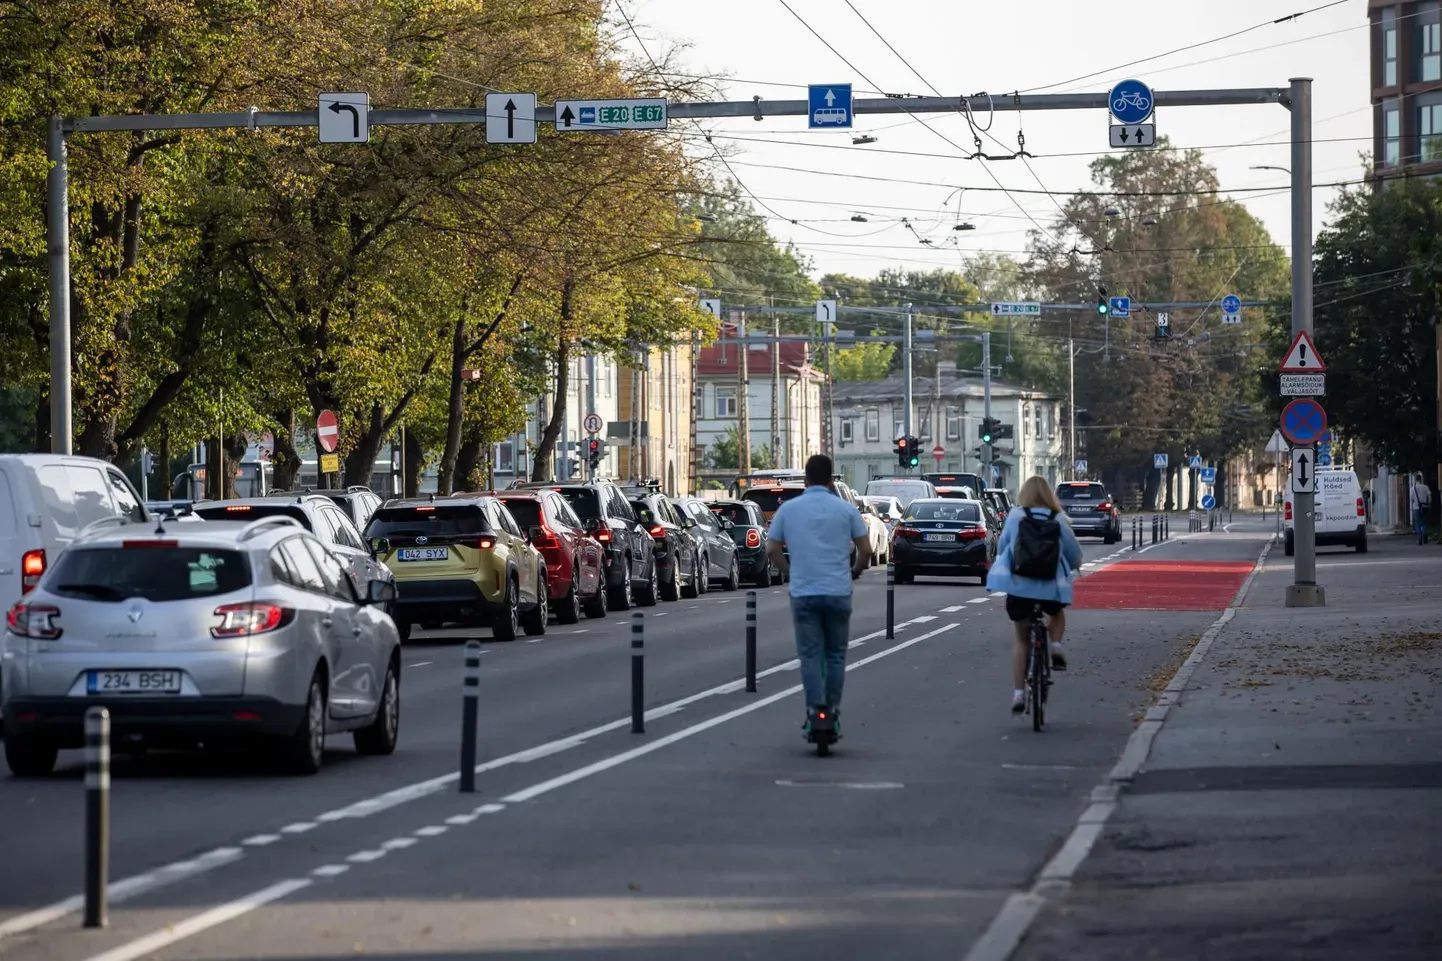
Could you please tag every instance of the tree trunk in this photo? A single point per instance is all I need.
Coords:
(284, 461)
(42, 422)
(455, 410)
(235, 447)
(544, 454)
(414, 457)
(469, 461)
(1169, 503)
(166, 486)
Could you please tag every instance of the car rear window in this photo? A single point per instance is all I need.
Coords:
(583, 501)
(154, 573)
(931, 511)
(430, 520)
(1081, 492)
(251, 512)
(770, 498)
(526, 511)
(734, 513)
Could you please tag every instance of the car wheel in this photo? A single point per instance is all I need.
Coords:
(379, 737)
(623, 597)
(600, 604)
(28, 755)
(693, 589)
(1289, 547)
(304, 750)
(650, 591)
(671, 586)
(569, 610)
(1362, 545)
(506, 623)
(404, 627)
(904, 576)
(733, 576)
(534, 621)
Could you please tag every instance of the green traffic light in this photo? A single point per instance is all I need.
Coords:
(1102, 308)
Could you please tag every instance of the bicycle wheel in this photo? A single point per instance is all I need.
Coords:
(1038, 676)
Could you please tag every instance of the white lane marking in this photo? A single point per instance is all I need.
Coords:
(659, 614)
(923, 619)
(398, 844)
(420, 663)
(1089, 564)
(978, 600)
(299, 827)
(663, 712)
(582, 630)
(725, 600)
(850, 785)
(244, 905)
(955, 607)
(170, 873)
(432, 830)
(534, 640)
(202, 922)
(330, 870)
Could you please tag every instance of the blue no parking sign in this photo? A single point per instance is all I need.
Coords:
(1304, 422)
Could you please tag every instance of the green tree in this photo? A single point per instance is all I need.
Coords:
(724, 454)
(868, 361)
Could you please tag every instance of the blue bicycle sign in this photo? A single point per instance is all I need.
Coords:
(1131, 101)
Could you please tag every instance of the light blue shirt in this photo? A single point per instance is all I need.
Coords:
(1058, 589)
(818, 529)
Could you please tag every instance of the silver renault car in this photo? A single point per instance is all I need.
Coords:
(190, 634)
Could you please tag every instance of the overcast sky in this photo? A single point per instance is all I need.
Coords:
(967, 46)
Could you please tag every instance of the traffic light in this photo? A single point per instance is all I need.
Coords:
(913, 448)
(595, 450)
(903, 451)
(1102, 307)
(989, 427)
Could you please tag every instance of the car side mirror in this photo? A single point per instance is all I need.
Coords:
(534, 534)
(380, 545)
(591, 525)
(727, 525)
(688, 522)
(379, 593)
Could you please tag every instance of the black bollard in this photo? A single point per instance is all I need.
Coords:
(97, 816)
(890, 599)
(638, 673)
(751, 641)
(1156, 528)
(470, 693)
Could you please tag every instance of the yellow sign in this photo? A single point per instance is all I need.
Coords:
(330, 463)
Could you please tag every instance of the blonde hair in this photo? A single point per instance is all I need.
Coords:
(1036, 492)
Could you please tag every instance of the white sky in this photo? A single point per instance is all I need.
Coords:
(966, 46)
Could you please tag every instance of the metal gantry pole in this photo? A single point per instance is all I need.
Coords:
(591, 407)
(1304, 591)
(57, 245)
(986, 478)
(1071, 398)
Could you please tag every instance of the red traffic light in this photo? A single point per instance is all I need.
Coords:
(901, 442)
(593, 445)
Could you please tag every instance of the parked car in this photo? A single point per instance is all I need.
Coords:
(888, 508)
(358, 502)
(678, 559)
(877, 528)
(1091, 509)
(317, 514)
(191, 633)
(461, 561)
(1000, 498)
(772, 496)
(1340, 516)
(629, 549)
(904, 489)
(956, 480)
(748, 532)
(575, 564)
(943, 537)
(720, 551)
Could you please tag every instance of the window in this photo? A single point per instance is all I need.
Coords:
(337, 581)
(847, 430)
(1025, 421)
(873, 425)
(1050, 421)
(953, 424)
(91, 494)
(898, 428)
(1036, 414)
(304, 573)
(725, 403)
(1429, 127)
(1391, 134)
(155, 573)
(1429, 42)
(1389, 48)
(345, 532)
(127, 505)
(505, 457)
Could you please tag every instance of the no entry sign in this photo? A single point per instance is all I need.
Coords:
(326, 430)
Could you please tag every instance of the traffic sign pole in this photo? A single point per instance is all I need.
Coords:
(1304, 590)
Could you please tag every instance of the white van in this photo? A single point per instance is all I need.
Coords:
(45, 500)
(1341, 512)
(904, 489)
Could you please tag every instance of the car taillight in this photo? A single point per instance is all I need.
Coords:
(258, 617)
(656, 530)
(971, 534)
(486, 543)
(32, 566)
(1104, 506)
(33, 620)
(1361, 508)
(1288, 514)
(237, 508)
(907, 532)
(548, 541)
(753, 538)
(604, 536)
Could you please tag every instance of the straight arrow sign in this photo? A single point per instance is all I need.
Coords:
(510, 117)
(1304, 470)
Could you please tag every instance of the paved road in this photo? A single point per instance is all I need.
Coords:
(717, 830)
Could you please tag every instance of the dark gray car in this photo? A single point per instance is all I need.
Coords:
(712, 531)
(1091, 509)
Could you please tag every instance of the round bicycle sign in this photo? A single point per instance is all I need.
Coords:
(1130, 102)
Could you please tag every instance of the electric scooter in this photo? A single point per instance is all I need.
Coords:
(822, 729)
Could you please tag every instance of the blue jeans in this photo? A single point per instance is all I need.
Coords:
(823, 632)
(1419, 524)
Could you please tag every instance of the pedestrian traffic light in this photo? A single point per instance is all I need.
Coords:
(595, 450)
(1102, 306)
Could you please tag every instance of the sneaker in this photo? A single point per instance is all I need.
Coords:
(1058, 660)
(1018, 703)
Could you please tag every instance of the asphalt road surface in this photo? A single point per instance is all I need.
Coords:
(717, 833)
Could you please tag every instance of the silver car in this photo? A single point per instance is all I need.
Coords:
(189, 633)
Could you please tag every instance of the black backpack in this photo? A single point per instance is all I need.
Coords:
(1037, 550)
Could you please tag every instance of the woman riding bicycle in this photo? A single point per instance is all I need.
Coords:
(1037, 504)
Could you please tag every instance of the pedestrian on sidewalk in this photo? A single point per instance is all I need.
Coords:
(1036, 532)
(1419, 498)
(812, 537)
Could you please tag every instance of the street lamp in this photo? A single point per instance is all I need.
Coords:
(1270, 167)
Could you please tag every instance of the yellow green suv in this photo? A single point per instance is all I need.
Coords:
(461, 561)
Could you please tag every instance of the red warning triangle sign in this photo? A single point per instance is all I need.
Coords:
(1302, 357)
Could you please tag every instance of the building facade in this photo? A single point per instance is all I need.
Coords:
(947, 417)
(1406, 57)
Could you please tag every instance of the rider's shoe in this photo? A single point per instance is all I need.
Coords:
(1058, 659)
(1018, 702)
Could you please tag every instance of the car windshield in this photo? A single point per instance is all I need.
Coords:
(583, 501)
(527, 512)
(428, 519)
(932, 511)
(250, 512)
(770, 498)
(156, 573)
(1081, 492)
(734, 513)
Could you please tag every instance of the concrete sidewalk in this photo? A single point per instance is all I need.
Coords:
(1291, 805)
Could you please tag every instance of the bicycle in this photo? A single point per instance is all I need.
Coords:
(1038, 668)
(1133, 99)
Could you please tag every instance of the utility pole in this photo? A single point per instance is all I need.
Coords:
(697, 398)
(590, 404)
(906, 371)
(776, 393)
(743, 408)
(1304, 591)
(986, 478)
(828, 405)
(1071, 399)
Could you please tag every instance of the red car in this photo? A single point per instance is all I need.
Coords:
(574, 560)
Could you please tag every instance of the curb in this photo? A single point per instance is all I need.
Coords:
(1011, 924)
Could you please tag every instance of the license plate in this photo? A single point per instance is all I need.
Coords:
(940, 537)
(1080, 510)
(424, 553)
(133, 682)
